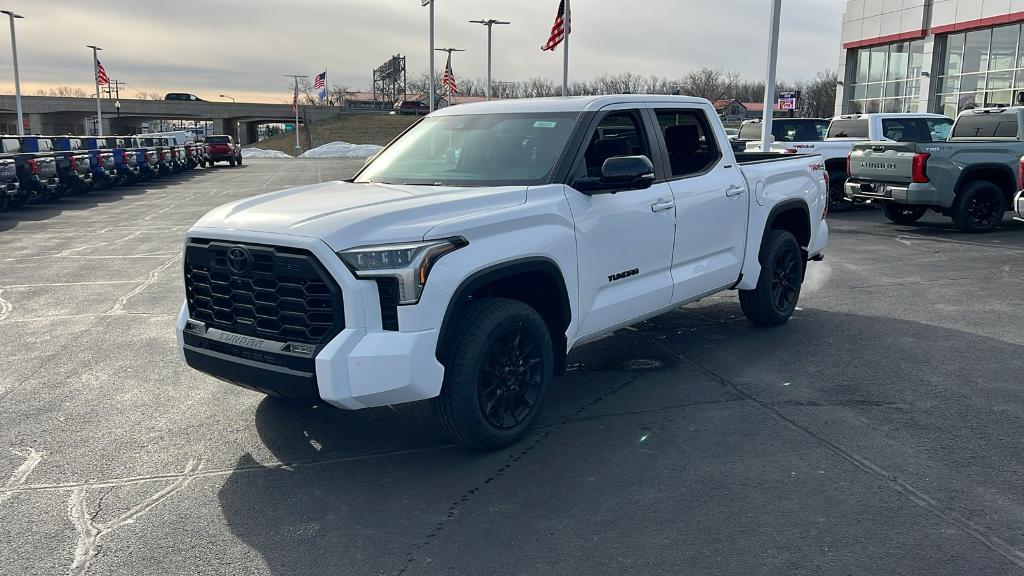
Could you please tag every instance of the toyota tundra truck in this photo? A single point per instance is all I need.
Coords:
(222, 148)
(971, 177)
(464, 261)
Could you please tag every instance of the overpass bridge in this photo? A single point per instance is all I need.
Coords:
(60, 115)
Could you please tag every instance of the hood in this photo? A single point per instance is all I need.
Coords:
(345, 215)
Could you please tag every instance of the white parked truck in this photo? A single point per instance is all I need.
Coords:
(464, 261)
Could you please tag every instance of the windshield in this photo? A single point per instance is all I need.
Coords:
(485, 150)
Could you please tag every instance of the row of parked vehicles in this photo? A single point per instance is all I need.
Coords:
(969, 170)
(47, 168)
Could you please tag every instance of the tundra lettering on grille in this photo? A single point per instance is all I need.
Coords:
(262, 292)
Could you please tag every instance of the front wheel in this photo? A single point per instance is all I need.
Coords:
(774, 299)
(498, 370)
(979, 207)
(239, 160)
(903, 213)
(231, 161)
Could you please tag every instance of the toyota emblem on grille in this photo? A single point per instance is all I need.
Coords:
(239, 260)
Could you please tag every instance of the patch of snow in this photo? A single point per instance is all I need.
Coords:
(342, 150)
(261, 153)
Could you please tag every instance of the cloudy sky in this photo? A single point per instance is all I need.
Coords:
(242, 47)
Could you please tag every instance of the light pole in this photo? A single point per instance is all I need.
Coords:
(769, 83)
(96, 77)
(226, 96)
(17, 81)
(117, 108)
(295, 106)
(490, 25)
(433, 88)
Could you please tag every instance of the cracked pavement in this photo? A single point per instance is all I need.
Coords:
(879, 432)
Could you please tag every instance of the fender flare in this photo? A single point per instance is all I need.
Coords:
(473, 282)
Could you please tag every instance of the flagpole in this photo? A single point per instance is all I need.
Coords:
(565, 50)
(96, 77)
(295, 100)
(433, 87)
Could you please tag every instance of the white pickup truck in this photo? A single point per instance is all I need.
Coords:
(845, 131)
(466, 259)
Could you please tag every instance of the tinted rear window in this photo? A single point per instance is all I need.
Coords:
(785, 130)
(856, 128)
(218, 140)
(750, 131)
(999, 125)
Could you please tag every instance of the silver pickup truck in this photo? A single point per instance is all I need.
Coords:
(971, 177)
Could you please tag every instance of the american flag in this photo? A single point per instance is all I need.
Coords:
(320, 83)
(560, 29)
(101, 74)
(449, 77)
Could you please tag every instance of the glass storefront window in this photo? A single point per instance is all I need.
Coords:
(954, 54)
(1003, 54)
(877, 69)
(976, 46)
(999, 80)
(898, 61)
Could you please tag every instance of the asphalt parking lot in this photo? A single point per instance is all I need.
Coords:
(879, 432)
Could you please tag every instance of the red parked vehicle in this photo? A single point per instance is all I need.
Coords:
(221, 148)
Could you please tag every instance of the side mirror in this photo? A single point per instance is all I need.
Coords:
(619, 173)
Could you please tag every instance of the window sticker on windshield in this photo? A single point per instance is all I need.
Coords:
(544, 124)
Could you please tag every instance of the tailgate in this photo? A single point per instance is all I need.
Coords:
(883, 162)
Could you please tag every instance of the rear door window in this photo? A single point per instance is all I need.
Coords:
(904, 130)
(997, 125)
(11, 146)
(689, 142)
(849, 128)
(938, 128)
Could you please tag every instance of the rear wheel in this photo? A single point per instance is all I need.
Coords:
(903, 213)
(774, 299)
(496, 375)
(979, 207)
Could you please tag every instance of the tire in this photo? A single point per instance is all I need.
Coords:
(239, 160)
(837, 200)
(903, 213)
(4, 201)
(979, 207)
(231, 161)
(775, 298)
(502, 350)
(18, 201)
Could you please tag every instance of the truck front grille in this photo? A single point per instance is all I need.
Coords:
(271, 292)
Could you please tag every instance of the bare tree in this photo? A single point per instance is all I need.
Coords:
(818, 96)
(709, 83)
(64, 92)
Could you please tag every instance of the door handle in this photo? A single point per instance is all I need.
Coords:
(734, 191)
(663, 205)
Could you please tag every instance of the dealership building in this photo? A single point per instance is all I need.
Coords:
(930, 55)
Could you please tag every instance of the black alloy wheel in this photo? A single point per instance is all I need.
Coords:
(510, 378)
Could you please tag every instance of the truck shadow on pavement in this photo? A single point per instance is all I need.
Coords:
(38, 212)
(383, 492)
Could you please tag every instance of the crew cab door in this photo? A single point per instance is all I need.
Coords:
(624, 239)
(711, 199)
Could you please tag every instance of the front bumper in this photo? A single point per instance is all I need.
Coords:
(910, 194)
(362, 366)
(10, 188)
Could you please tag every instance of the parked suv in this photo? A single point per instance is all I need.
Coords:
(971, 177)
(464, 261)
(223, 148)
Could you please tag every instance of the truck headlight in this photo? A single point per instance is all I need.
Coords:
(408, 263)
